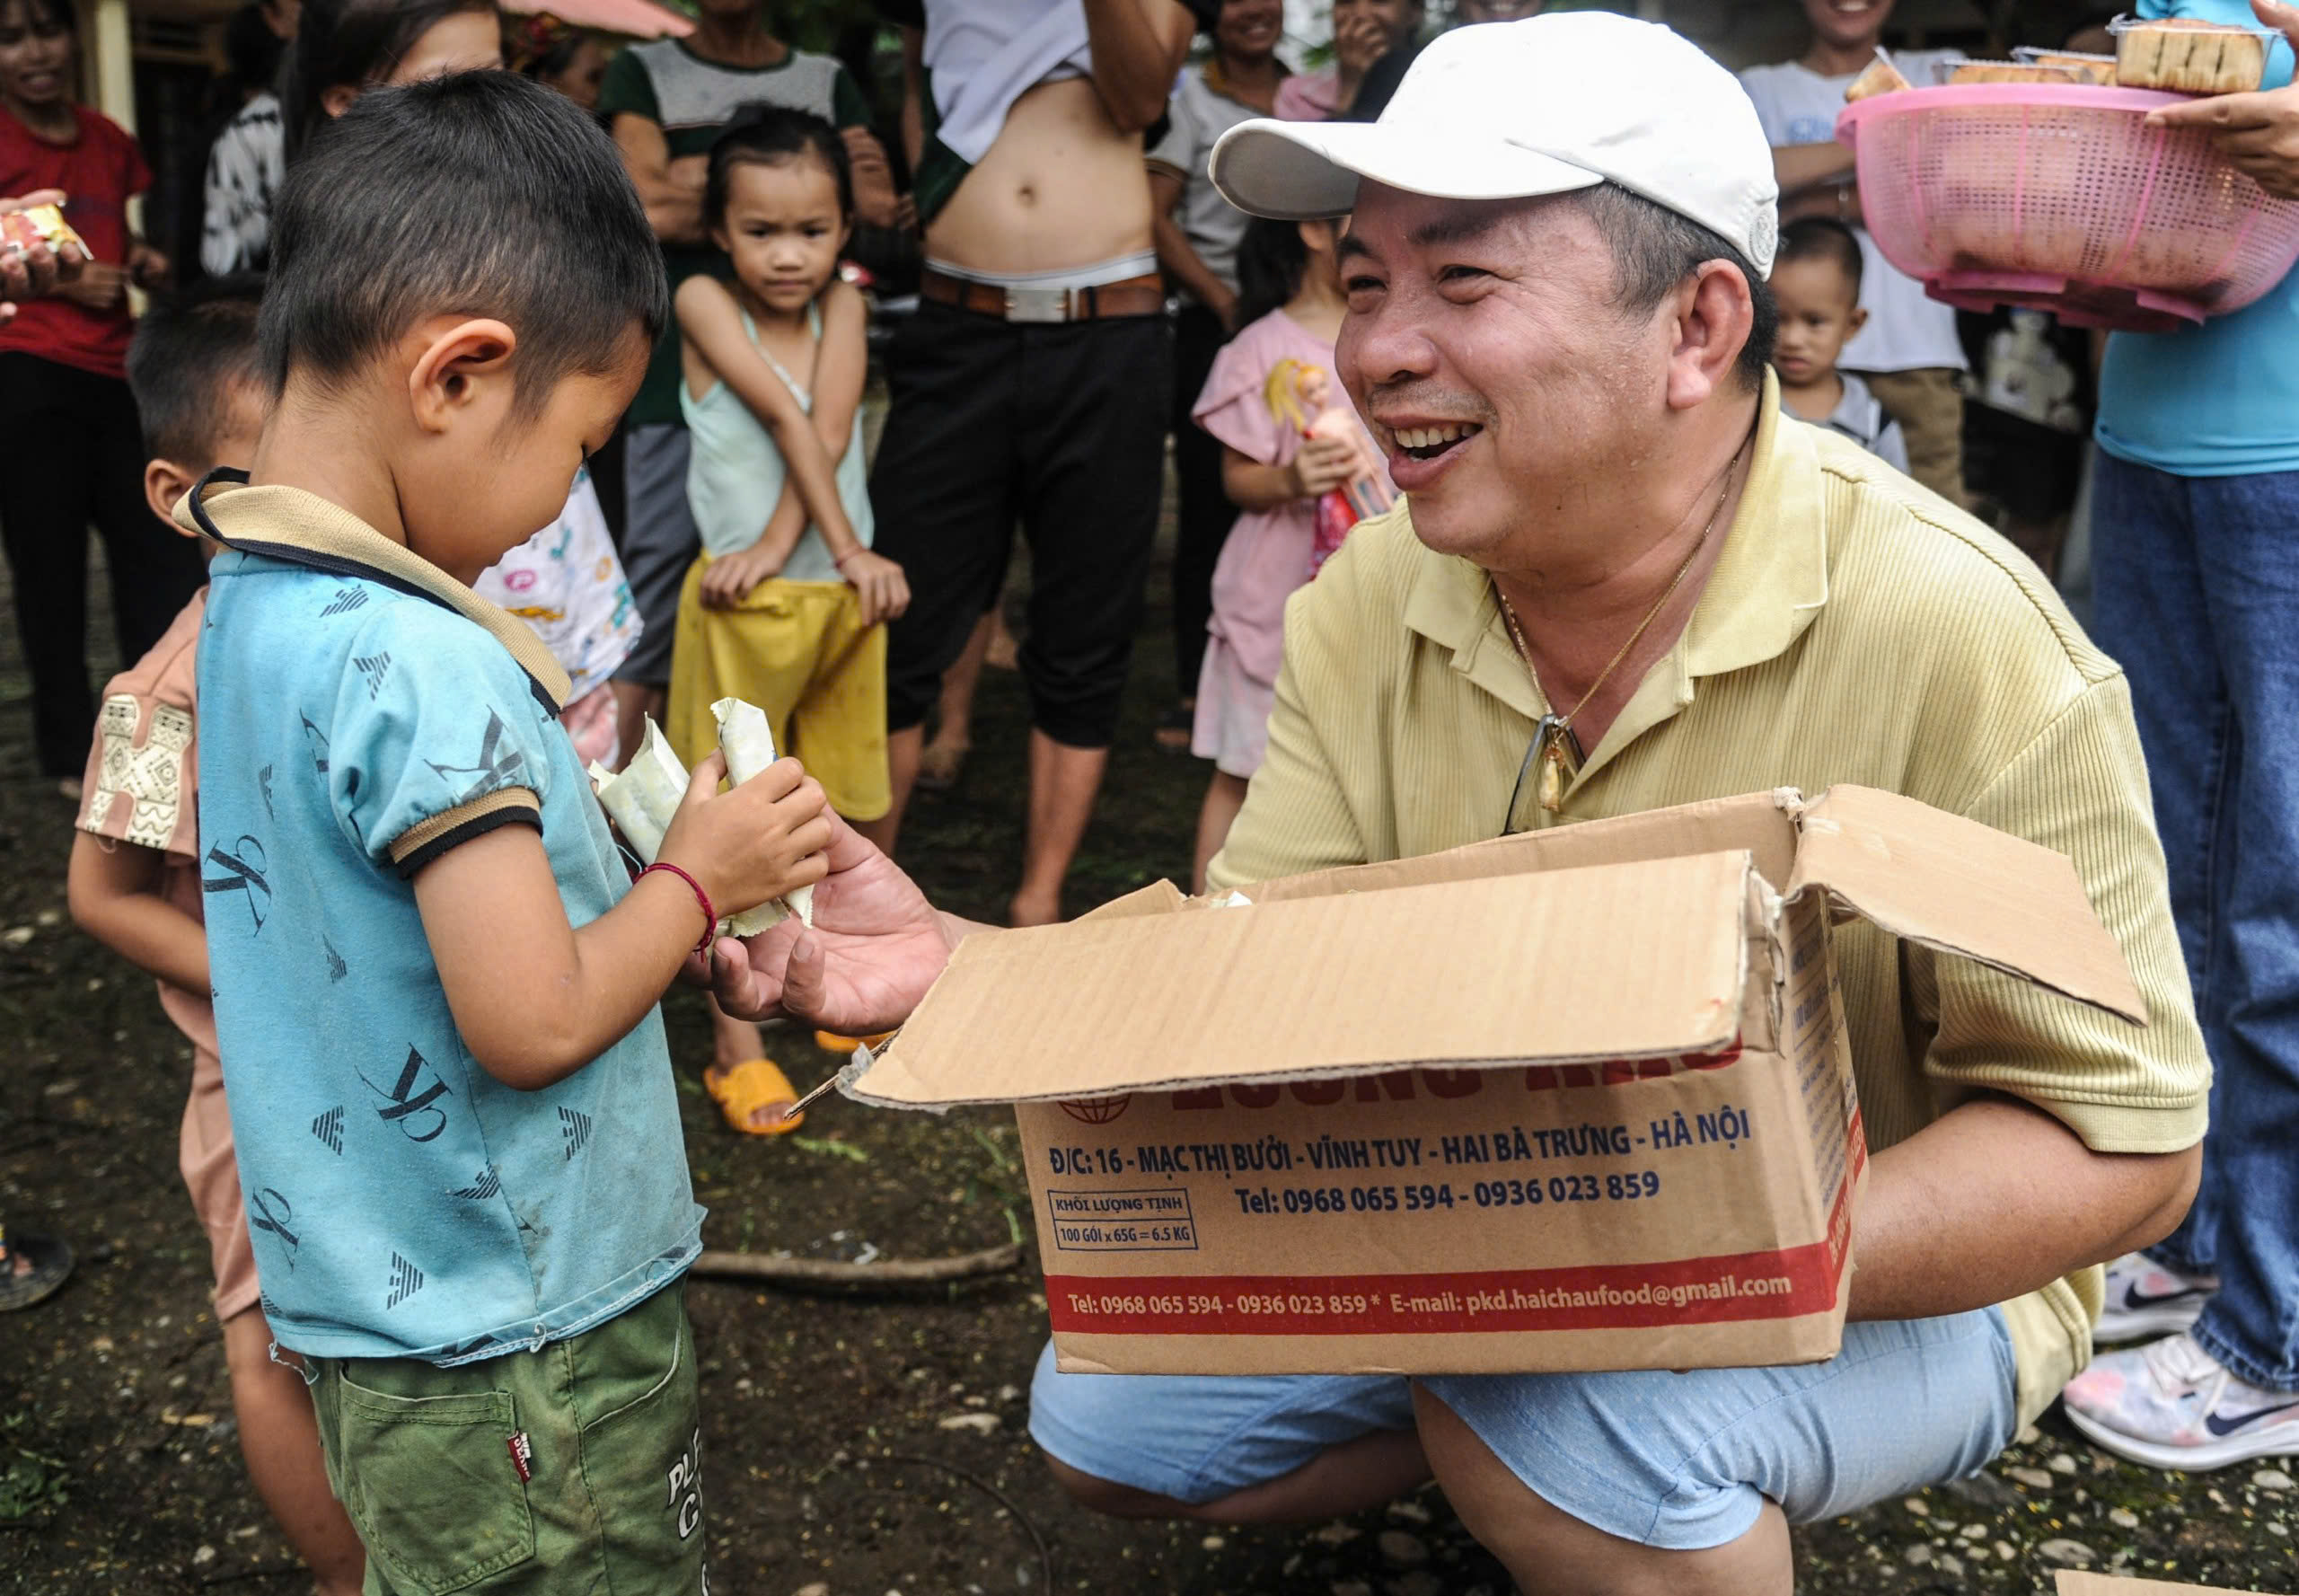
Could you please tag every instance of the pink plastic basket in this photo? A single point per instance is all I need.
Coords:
(2056, 196)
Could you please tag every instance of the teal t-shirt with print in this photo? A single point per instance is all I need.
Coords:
(355, 724)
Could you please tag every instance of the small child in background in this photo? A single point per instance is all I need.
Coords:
(1816, 279)
(133, 884)
(784, 606)
(1290, 305)
(567, 584)
(452, 1101)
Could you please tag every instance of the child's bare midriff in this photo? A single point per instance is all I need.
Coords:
(1061, 188)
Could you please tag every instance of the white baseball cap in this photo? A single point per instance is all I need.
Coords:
(1509, 110)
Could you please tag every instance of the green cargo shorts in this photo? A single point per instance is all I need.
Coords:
(572, 1468)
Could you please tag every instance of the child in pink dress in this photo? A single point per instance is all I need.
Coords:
(1275, 475)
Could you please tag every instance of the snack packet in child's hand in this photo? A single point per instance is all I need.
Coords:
(643, 799)
(20, 230)
(747, 741)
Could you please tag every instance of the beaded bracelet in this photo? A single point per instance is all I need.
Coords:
(709, 915)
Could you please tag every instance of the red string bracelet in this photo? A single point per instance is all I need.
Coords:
(709, 915)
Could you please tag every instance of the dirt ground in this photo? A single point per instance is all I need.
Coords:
(853, 1448)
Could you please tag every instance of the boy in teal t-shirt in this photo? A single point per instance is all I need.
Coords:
(435, 979)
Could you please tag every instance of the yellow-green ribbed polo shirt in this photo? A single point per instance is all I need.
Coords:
(1856, 629)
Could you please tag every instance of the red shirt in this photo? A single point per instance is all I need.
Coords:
(98, 171)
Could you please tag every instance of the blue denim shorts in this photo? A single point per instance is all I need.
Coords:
(1677, 1460)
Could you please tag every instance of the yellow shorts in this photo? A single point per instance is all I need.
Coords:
(799, 651)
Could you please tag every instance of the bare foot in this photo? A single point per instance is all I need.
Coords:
(939, 763)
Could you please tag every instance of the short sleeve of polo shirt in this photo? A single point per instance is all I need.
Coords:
(628, 91)
(2079, 787)
(436, 738)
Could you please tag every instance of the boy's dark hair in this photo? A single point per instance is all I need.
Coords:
(351, 43)
(190, 348)
(762, 135)
(479, 194)
(1271, 259)
(1655, 250)
(1822, 238)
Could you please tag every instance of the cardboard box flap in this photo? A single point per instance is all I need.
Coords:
(1762, 823)
(1961, 888)
(1633, 960)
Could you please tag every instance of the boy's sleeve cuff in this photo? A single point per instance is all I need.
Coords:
(422, 842)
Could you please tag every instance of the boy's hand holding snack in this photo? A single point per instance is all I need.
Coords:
(761, 840)
(884, 591)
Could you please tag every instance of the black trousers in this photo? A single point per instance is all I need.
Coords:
(72, 455)
(1061, 426)
(1205, 514)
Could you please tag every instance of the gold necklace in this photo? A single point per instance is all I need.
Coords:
(1555, 744)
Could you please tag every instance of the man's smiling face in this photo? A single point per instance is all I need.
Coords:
(1485, 345)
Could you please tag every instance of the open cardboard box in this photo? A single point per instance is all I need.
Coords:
(1578, 1099)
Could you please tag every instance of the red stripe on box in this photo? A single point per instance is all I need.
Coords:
(1720, 1290)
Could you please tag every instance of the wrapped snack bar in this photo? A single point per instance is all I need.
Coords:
(747, 741)
(643, 797)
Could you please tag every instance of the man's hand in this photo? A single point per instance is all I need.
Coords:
(28, 273)
(2257, 132)
(874, 947)
(728, 579)
(884, 591)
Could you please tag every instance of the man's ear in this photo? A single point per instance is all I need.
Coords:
(337, 98)
(1714, 315)
(165, 482)
(458, 362)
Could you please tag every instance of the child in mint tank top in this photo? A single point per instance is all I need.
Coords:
(784, 607)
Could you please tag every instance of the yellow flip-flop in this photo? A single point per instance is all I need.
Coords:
(750, 1086)
(832, 1042)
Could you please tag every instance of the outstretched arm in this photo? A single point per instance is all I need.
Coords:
(536, 997)
(874, 947)
(1138, 47)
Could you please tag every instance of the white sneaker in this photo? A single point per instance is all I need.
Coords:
(2171, 1404)
(2145, 1299)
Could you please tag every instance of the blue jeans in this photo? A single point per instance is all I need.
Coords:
(2196, 590)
